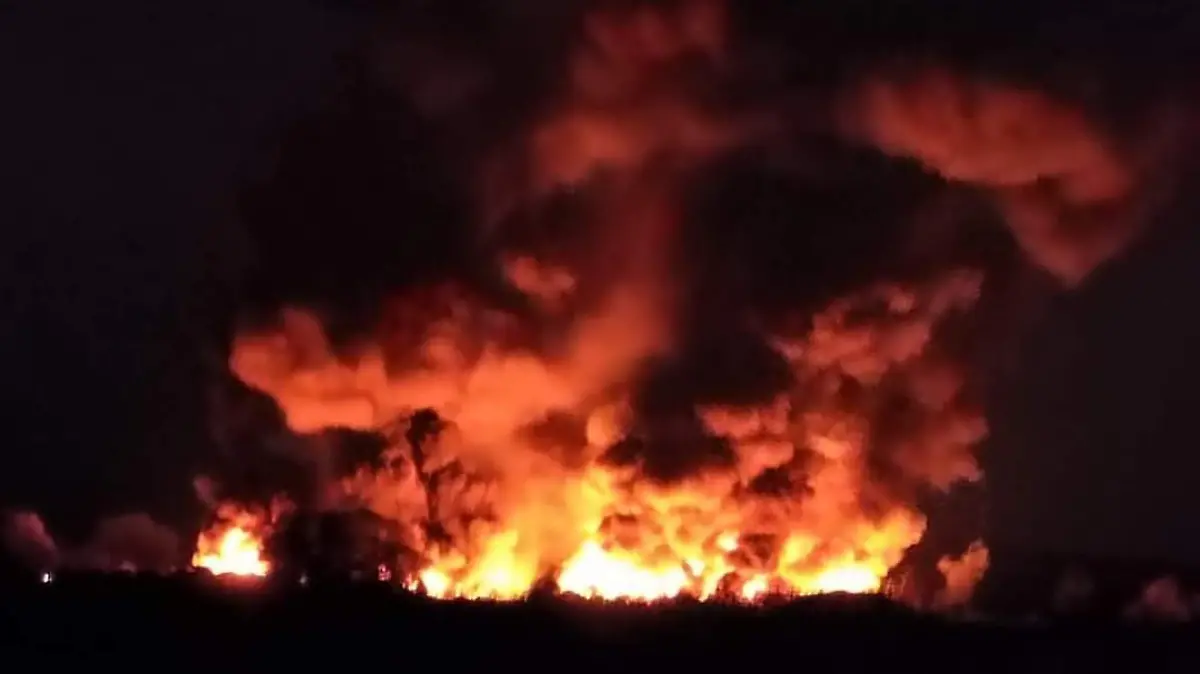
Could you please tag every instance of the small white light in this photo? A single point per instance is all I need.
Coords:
(47, 577)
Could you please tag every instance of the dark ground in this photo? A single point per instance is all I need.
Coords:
(196, 624)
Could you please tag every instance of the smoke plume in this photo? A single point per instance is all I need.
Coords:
(132, 541)
(1073, 193)
(592, 404)
(598, 293)
(26, 538)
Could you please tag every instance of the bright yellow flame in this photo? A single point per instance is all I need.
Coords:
(855, 579)
(235, 552)
(435, 583)
(599, 574)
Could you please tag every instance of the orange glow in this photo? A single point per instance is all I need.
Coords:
(596, 573)
(1063, 185)
(604, 531)
(523, 484)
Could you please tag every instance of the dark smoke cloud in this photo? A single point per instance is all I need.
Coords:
(1073, 192)
(815, 222)
(437, 88)
(437, 92)
(133, 541)
(26, 539)
(256, 455)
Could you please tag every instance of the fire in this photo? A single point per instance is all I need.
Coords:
(596, 573)
(546, 468)
(792, 507)
(854, 578)
(234, 548)
(237, 552)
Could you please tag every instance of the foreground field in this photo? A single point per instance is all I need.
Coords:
(184, 623)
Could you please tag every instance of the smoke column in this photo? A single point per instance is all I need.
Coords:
(564, 447)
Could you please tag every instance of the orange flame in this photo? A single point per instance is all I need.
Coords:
(604, 531)
(233, 548)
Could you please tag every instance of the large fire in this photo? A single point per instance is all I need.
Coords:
(494, 509)
(545, 465)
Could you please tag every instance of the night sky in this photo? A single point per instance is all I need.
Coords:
(125, 128)
(130, 132)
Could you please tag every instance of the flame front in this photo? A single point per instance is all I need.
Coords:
(794, 508)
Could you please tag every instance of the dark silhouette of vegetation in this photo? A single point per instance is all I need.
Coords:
(220, 625)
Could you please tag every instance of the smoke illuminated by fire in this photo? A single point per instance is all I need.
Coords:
(493, 509)
(1065, 186)
(544, 466)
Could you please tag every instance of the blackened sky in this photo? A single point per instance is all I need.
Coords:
(126, 126)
